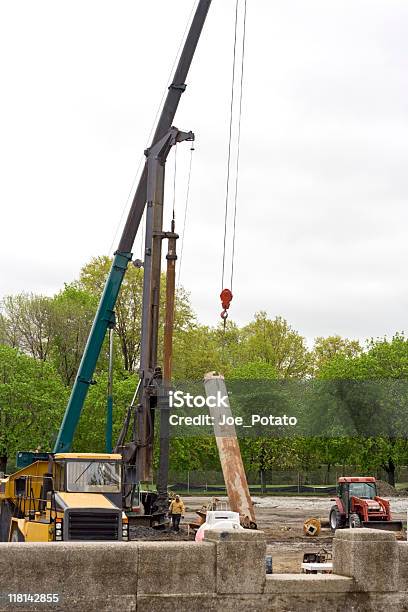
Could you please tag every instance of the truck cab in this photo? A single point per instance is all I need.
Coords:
(72, 496)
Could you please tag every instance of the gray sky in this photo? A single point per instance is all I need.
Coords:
(322, 210)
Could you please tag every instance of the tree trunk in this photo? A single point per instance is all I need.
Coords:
(390, 469)
(262, 478)
(3, 463)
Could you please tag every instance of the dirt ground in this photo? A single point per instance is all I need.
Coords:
(281, 518)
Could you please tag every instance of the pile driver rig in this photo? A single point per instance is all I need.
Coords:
(45, 500)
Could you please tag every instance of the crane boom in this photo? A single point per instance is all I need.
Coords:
(105, 313)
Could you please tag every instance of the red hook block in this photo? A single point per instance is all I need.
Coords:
(226, 297)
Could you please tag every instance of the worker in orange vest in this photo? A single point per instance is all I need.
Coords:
(176, 512)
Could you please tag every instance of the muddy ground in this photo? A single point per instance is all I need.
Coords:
(281, 518)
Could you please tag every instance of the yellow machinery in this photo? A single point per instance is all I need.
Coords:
(72, 496)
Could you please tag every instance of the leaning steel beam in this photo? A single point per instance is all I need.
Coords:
(229, 451)
(123, 255)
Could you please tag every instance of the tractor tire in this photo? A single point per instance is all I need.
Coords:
(335, 519)
(354, 521)
(17, 536)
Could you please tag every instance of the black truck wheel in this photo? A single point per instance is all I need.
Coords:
(6, 514)
(17, 536)
(336, 521)
(354, 520)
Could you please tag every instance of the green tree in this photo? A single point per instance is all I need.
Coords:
(49, 329)
(372, 390)
(27, 323)
(32, 400)
(194, 453)
(128, 308)
(251, 385)
(72, 313)
(274, 341)
(253, 370)
(333, 451)
(327, 348)
(90, 434)
(199, 349)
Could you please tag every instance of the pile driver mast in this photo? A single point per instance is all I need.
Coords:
(149, 195)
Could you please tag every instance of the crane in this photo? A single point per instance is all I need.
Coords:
(148, 195)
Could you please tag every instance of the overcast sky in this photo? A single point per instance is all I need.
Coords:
(323, 186)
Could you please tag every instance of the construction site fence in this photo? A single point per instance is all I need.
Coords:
(320, 480)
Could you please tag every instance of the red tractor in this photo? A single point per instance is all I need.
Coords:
(358, 505)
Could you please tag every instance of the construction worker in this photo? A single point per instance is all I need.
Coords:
(176, 511)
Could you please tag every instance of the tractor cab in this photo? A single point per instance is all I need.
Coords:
(357, 487)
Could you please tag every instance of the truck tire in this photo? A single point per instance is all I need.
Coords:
(6, 514)
(335, 519)
(354, 520)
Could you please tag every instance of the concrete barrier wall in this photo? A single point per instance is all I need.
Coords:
(224, 573)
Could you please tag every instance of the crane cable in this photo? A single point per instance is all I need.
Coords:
(226, 294)
(192, 149)
(238, 142)
(229, 142)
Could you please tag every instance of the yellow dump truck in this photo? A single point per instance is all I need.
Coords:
(70, 496)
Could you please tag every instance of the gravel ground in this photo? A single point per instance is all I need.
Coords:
(146, 533)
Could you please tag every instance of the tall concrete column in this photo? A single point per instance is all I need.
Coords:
(228, 448)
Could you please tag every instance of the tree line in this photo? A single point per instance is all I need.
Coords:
(42, 339)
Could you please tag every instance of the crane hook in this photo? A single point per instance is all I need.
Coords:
(226, 297)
